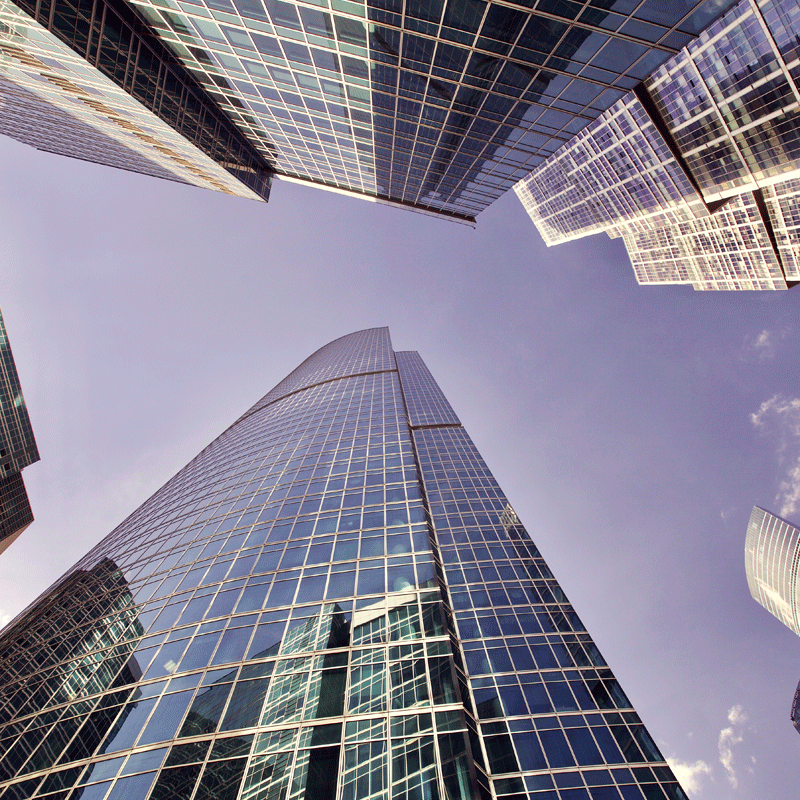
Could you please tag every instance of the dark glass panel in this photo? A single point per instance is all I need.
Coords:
(176, 783)
(128, 726)
(529, 751)
(132, 786)
(221, 780)
(247, 701)
(556, 749)
(583, 746)
(501, 754)
(232, 646)
(331, 695)
(206, 710)
(199, 651)
(167, 717)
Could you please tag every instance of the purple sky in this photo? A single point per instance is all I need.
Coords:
(632, 428)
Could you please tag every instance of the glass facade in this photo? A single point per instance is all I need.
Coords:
(334, 600)
(123, 103)
(730, 99)
(17, 448)
(732, 248)
(698, 168)
(15, 509)
(618, 171)
(17, 445)
(438, 106)
(771, 554)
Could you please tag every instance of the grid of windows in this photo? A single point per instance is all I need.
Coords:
(771, 554)
(17, 445)
(328, 603)
(425, 401)
(731, 101)
(782, 201)
(441, 106)
(366, 351)
(15, 509)
(729, 249)
(85, 65)
(551, 714)
(697, 169)
(616, 171)
(30, 119)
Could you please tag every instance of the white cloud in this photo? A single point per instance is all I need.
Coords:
(728, 738)
(780, 417)
(789, 491)
(5, 618)
(689, 775)
(764, 345)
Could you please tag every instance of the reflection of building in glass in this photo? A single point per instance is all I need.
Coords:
(437, 106)
(697, 169)
(333, 601)
(50, 657)
(17, 448)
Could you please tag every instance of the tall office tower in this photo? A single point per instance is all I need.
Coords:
(771, 556)
(17, 448)
(130, 105)
(698, 168)
(333, 601)
(435, 105)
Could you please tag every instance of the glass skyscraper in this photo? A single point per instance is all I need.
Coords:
(771, 557)
(334, 600)
(17, 448)
(436, 105)
(698, 168)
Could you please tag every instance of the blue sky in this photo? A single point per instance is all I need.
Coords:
(631, 427)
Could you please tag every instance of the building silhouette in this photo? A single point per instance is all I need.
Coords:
(435, 106)
(17, 448)
(698, 168)
(333, 600)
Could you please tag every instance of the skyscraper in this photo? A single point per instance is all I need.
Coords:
(334, 600)
(437, 106)
(698, 168)
(771, 556)
(17, 448)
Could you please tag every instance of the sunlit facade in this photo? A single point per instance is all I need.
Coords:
(135, 111)
(17, 448)
(697, 169)
(771, 556)
(435, 106)
(333, 601)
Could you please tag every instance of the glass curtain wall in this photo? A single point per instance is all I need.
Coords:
(333, 600)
